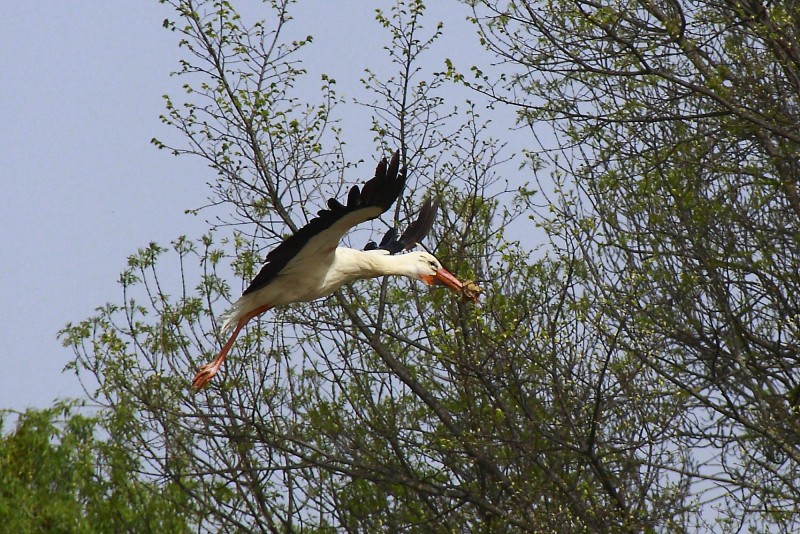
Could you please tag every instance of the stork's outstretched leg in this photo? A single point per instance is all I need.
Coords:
(207, 372)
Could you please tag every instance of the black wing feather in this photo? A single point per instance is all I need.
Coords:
(415, 232)
(352, 197)
(389, 237)
(379, 192)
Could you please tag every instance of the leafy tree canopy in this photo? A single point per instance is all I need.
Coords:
(633, 366)
(56, 475)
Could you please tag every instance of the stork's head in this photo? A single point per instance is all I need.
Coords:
(428, 269)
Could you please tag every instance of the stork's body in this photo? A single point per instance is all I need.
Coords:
(310, 264)
(318, 277)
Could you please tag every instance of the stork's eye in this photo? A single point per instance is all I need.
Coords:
(433, 265)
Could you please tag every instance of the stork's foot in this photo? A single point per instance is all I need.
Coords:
(205, 374)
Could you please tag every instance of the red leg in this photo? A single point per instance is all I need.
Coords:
(207, 372)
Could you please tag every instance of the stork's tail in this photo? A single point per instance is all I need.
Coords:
(232, 317)
(229, 320)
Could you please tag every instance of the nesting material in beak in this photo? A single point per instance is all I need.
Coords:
(471, 290)
(444, 277)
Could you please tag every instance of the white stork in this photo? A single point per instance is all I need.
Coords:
(310, 264)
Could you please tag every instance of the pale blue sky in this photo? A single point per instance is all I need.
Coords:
(81, 186)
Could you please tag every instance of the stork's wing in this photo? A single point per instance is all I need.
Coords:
(415, 232)
(321, 235)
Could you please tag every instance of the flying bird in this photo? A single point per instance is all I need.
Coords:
(310, 263)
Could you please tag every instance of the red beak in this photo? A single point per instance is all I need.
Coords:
(444, 277)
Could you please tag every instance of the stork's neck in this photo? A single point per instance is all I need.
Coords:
(369, 264)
